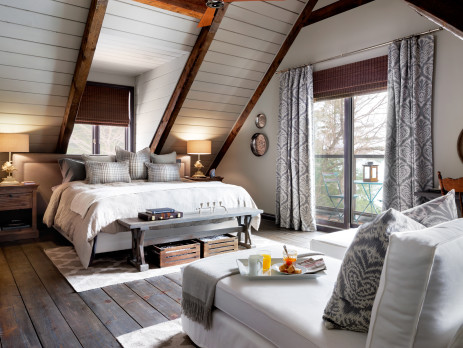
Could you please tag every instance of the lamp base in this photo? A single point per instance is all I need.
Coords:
(199, 174)
(9, 180)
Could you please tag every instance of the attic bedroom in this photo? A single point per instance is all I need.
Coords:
(231, 173)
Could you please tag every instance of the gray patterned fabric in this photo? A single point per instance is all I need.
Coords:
(295, 194)
(350, 305)
(99, 158)
(136, 160)
(163, 172)
(408, 154)
(167, 158)
(106, 172)
(439, 210)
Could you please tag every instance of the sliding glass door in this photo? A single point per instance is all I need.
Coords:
(349, 133)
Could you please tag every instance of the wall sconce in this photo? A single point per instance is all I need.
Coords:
(370, 172)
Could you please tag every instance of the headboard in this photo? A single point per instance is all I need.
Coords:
(43, 168)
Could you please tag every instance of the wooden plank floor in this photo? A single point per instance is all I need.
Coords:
(38, 308)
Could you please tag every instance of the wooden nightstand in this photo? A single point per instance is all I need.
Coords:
(207, 178)
(14, 200)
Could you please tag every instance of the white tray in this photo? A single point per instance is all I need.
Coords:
(274, 274)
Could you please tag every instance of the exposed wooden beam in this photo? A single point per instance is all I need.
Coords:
(185, 81)
(446, 13)
(192, 8)
(84, 61)
(334, 9)
(303, 17)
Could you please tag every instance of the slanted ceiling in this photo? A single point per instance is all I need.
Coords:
(245, 44)
(39, 45)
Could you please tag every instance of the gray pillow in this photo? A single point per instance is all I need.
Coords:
(107, 172)
(71, 169)
(439, 210)
(350, 305)
(167, 158)
(99, 158)
(137, 161)
(163, 172)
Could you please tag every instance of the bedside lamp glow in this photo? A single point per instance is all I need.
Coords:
(12, 143)
(198, 147)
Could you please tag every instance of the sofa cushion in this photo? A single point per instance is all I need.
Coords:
(419, 301)
(350, 305)
(286, 312)
(334, 244)
(439, 210)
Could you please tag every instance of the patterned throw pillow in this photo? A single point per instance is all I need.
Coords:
(106, 172)
(350, 305)
(99, 158)
(163, 172)
(136, 161)
(162, 159)
(440, 209)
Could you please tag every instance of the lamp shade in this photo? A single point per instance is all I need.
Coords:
(198, 147)
(14, 142)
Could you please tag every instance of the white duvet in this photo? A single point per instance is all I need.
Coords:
(81, 210)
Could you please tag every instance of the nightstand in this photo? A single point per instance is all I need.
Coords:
(18, 202)
(207, 178)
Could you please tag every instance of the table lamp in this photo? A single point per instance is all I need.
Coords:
(12, 143)
(198, 147)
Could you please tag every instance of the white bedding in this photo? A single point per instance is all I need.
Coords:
(81, 211)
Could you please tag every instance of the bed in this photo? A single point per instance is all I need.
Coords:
(86, 214)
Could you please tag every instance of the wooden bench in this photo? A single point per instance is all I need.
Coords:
(145, 233)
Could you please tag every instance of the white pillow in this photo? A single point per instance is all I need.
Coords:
(419, 302)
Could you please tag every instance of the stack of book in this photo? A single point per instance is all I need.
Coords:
(160, 214)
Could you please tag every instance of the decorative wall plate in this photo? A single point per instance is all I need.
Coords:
(259, 144)
(261, 121)
(460, 145)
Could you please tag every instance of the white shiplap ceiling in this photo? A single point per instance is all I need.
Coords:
(136, 38)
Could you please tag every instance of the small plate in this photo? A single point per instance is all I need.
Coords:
(276, 268)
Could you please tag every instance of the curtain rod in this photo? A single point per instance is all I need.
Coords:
(364, 49)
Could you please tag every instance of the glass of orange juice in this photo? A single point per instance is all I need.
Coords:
(267, 263)
(290, 258)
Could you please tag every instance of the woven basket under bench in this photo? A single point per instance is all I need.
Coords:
(215, 245)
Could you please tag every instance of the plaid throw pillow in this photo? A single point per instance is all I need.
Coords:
(106, 172)
(166, 158)
(137, 161)
(163, 172)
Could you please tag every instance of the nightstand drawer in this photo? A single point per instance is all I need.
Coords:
(12, 201)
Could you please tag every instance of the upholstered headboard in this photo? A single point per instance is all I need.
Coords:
(43, 168)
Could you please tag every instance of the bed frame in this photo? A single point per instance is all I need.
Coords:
(43, 168)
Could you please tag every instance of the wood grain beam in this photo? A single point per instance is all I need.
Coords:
(192, 8)
(185, 81)
(334, 9)
(84, 61)
(303, 17)
(446, 13)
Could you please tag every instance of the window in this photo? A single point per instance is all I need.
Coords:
(104, 121)
(350, 127)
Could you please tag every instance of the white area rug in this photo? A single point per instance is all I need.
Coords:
(112, 268)
(166, 335)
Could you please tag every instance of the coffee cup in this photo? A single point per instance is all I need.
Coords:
(255, 263)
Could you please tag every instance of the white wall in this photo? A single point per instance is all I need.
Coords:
(152, 94)
(368, 25)
(104, 77)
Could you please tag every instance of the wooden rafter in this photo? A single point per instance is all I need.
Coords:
(185, 81)
(446, 13)
(84, 61)
(334, 9)
(192, 8)
(303, 17)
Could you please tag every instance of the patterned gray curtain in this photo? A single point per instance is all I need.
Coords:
(408, 155)
(295, 201)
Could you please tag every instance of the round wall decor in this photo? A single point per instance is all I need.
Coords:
(259, 144)
(460, 145)
(261, 121)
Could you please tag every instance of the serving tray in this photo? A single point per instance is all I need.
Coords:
(274, 274)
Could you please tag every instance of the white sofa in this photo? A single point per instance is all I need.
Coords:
(288, 313)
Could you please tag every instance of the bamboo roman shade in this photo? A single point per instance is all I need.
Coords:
(104, 105)
(351, 79)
